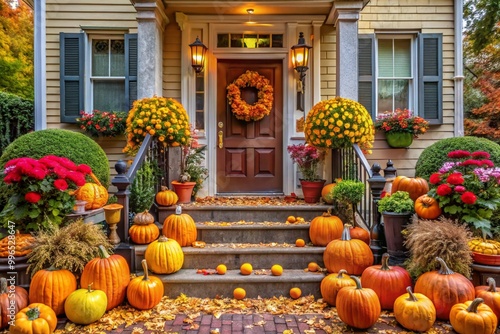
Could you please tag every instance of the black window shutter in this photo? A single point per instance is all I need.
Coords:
(366, 86)
(430, 77)
(131, 70)
(71, 75)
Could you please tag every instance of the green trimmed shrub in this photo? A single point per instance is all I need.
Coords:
(70, 144)
(433, 157)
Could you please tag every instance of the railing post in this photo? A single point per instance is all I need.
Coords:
(122, 182)
(377, 184)
(389, 174)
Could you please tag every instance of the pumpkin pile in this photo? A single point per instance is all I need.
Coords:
(22, 244)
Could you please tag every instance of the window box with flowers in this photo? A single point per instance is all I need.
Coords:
(400, 127)
(308, 158)
(103, 123)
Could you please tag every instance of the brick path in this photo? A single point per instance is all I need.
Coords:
(265, 324)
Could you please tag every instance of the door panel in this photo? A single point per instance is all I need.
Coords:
(250, 160)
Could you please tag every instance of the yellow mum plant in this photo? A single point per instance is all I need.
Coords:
(163, 118)
(339, 122)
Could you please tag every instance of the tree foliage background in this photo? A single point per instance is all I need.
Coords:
(16, 49)
(482, 64)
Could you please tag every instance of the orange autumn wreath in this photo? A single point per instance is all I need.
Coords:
(240, 108)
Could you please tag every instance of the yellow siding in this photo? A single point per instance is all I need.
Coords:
(69, 16)
(426, 16)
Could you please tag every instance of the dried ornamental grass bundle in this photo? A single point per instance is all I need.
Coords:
(444, 238)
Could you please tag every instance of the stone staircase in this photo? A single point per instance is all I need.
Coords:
(237, 234)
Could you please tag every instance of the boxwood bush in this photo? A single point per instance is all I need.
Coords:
(433, 157)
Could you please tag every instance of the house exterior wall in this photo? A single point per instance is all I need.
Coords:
(418, 15)
(70, 17)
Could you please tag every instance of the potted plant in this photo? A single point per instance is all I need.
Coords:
(400, 127)
(193, 173)
(308, 158)
(397, 210)
(339, 123)
(102, 123)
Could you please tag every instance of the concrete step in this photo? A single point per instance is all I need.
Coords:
(188, 282)
(232, 213)
(252, 232)
(234, 255)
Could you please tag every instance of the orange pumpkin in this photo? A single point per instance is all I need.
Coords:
(144, 230)
(416, 187)
(166, 197)
(36, 318)
(361, 234)
(331, 285)
(445, 288)
(358, 307)
(388, 282)
(324, 229)
(51, 287)
(95, 194)
(145, 292)
(109, 273)
(326, 192)
(427, 207)
(12, 298)
(180, 227)
(352, 255)
(490, 294)
(472, 316)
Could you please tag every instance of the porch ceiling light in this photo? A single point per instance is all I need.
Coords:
(198, 52)
(300, 60)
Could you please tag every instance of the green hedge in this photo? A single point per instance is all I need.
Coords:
(17, 117)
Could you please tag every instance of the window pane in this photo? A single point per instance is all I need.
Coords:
(393, 94)
(109, 95)
(100, 57)
(385, 60)
(402, 58)
(236, 40)
(117, 58)
(264, 41)
(250, 41)
(222, 40)
(277, 41)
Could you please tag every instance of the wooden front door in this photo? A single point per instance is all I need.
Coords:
(251, 158)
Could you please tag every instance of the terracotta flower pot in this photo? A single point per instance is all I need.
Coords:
(184, 191)
(312, 190)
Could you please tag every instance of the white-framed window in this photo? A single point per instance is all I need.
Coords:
(107, 75)
(401, 70)
(395, 71)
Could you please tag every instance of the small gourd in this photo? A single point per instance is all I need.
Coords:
(166, 197)
(414, 311)
(180, 227)
(95, 194)
(85, 306)
(35, 318)
(427, 207)
(473, 316)
(484, 246)
(145, 292)
(490, 294)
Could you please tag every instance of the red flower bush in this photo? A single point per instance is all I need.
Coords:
(40, 190)
(467, 188)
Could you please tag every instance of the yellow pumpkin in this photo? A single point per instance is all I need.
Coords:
(181, 227)
(164, 256)
(95, 194)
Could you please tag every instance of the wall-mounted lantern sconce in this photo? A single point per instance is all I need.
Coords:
(300, 60)
(198, 52)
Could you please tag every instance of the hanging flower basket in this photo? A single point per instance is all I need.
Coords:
(240, 108)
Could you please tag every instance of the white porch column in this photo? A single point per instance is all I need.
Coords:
(151, 20)
(346, 15)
